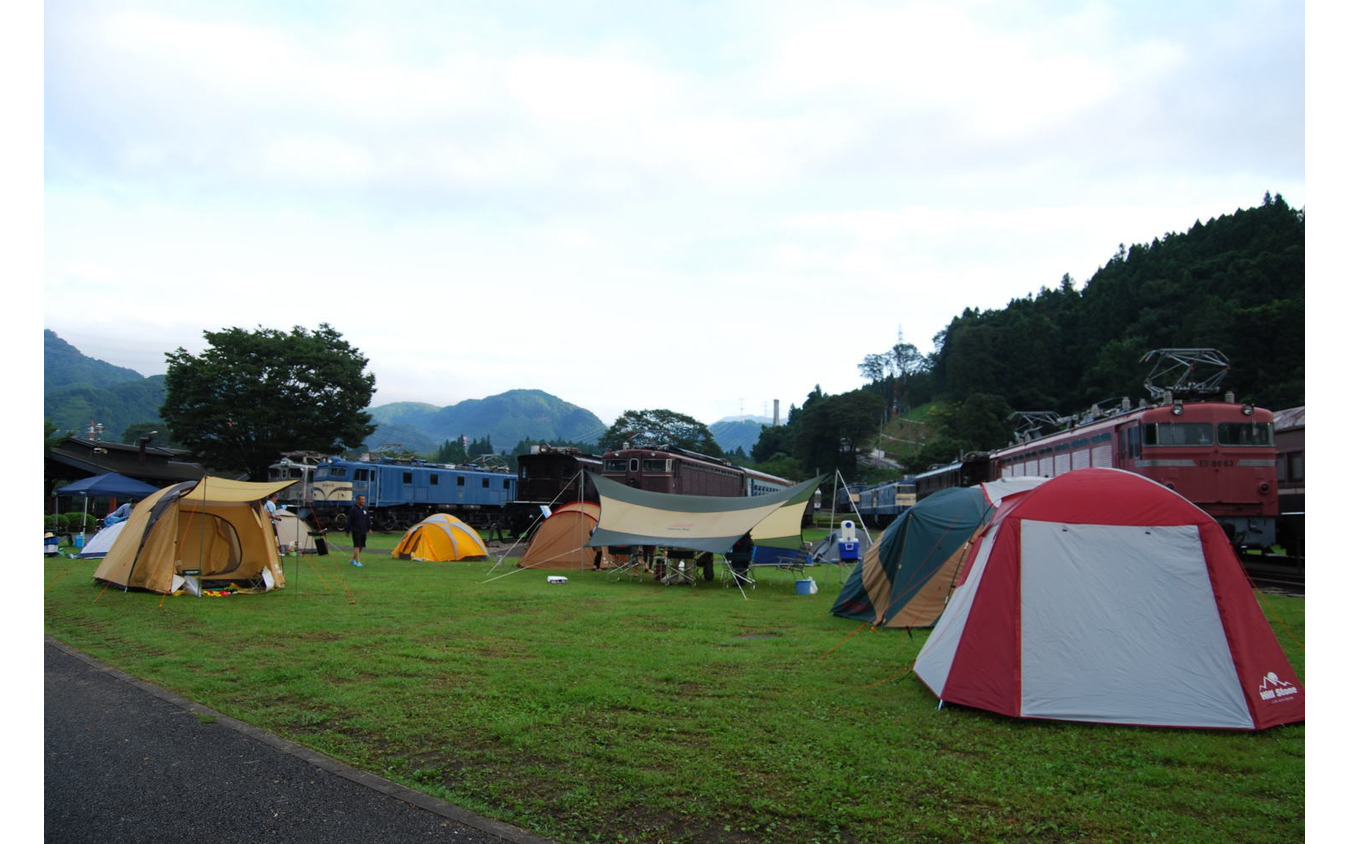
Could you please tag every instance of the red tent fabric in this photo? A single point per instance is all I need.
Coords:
(1104, 596)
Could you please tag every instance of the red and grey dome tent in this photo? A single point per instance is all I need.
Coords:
(1103, 596)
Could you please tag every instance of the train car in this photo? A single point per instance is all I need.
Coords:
(970, 470)
(400, 493)
(880, 505)
(547, 477)
(759, 483)
(297, 467)
(1289, 475)
(675, 471)
(1218, 454)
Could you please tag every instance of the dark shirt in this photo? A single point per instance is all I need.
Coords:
(358, 519)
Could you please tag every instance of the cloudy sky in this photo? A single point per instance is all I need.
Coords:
(695, 206)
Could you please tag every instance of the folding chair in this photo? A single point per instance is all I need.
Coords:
(624, 562)
(675, 567)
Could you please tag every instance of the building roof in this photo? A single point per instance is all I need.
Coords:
(75, 458)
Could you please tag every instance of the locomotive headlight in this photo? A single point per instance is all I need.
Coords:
(1247, 410)
(1176, 409)
(1263, 488)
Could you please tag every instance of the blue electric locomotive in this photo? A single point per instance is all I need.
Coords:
(400, 493)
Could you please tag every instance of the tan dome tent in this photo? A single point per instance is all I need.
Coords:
(293, 532)
(560, 541)
(211, 530)
(438, 538)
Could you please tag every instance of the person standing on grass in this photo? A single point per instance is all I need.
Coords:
(270, 507)
(358, 525)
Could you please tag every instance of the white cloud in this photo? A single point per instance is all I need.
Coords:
(696, 208)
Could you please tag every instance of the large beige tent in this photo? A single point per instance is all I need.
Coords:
(560, 540)
(212, 529)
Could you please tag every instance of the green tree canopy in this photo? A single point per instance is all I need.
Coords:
(252, 395)
(652, 428)
(833, 429)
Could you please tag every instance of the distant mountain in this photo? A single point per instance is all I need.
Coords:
(78, 390)
(505, 419)
(65, 366)
(738, 432)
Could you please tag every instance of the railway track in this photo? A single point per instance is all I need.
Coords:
(1275, 573)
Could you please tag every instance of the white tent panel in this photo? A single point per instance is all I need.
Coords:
(1119, 625)
(934, 662)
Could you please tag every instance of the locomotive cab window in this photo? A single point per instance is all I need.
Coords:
(459, 480)
(1179, 433)
(656, 465)
(1247, 433)
(616, 465)
(487, 482)
(407, 477)
(435, 479)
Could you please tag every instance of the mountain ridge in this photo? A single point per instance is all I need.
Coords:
(79, 390)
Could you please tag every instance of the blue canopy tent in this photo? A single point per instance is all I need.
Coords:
(107, 485)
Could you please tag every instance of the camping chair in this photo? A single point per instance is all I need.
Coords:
(625, 561)
(736, 571)
(675, 567)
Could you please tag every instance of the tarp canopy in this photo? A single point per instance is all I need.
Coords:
(440, 537)
(213, 526)
(698, 522)
(560, 540)
(904, 580)
(107, 485)
(1104, 596)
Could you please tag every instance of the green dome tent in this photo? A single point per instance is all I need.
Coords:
(904, 578)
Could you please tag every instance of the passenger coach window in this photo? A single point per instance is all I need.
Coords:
(1179, 433)
(1246, 433)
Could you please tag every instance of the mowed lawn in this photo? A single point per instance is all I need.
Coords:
(612, 708)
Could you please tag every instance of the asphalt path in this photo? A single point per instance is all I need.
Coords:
(127, 761)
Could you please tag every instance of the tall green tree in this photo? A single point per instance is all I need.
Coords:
(651, 428)
(251, 395)
(834, 429)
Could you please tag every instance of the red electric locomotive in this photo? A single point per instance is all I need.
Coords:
(1220, 455)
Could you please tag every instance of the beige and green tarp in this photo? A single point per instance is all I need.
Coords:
(699, 522)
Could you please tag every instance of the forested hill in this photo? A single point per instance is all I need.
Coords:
(1235, 284)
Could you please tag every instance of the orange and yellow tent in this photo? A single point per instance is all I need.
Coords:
(439, 538)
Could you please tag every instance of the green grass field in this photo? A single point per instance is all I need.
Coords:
(616, 709)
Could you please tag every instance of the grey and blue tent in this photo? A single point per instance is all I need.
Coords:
(904, 579)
